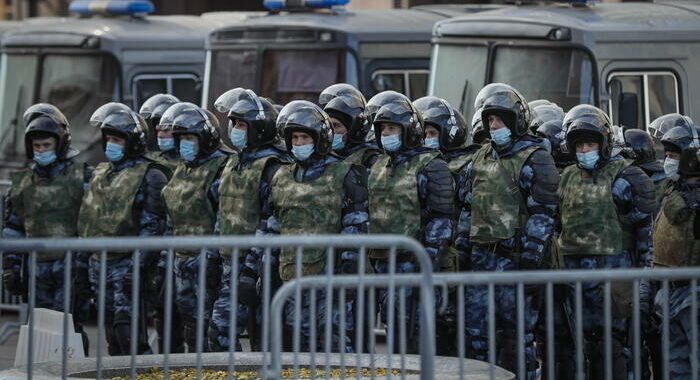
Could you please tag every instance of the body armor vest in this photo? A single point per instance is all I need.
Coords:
(170, 163)
(497, 203)
(107, 208)
(458, 164)
(590, 222)
(240, 202)
(186, 197)
(361, 156)
(49, 208)
(394, 203)
(310, 208)
(674, 236)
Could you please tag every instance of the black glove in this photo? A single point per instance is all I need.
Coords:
(348, 267)
(81, 283)
(12, 281)
(247, 290)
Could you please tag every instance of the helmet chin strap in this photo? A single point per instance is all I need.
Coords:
(261, 111)
(453, 119)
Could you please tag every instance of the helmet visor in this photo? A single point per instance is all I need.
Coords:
(44, 109)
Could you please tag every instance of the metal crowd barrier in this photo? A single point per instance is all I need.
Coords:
(236, 245)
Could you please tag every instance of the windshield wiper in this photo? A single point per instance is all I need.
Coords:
(14, 124)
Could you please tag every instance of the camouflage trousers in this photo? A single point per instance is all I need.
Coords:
(187, 293)
(594, 317)
(476, 318)
(680, 330)
(118, 306)
(314, 303)
(221, 318)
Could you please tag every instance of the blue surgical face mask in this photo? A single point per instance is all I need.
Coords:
(114, 152)
(187, 151)
(500, 136)
(239, 138)
(588, 160)
(45, 158)
(166, 144)
(338, 142)
(671, 168)
(433, 143)
(302, 152)
(391, 143)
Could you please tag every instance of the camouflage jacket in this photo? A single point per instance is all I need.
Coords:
(268, 224)
(354, 215)
(538, 183)
(13, 224)
(436, 194)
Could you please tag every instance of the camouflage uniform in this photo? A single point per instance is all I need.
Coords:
(192, 203)
(606, 223)
(246, 178)
(123, 199)
(170, 159)
(44, 202)
(365, 154)
(324, 195)
(411, 193)
(508, 230)
(676, 245)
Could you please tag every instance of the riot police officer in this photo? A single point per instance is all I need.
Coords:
(334, 193)
(346, 107)
(411, 192)
(606, 217)
(447, 131)
(512, 197)
(642, 147)
(191, 200)
(123, 199)
(676, 242)
(160, 140)
(543, 111)
(244, 207)
(43, 202)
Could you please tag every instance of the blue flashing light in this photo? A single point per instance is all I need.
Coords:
(278, 5)
(111, 7)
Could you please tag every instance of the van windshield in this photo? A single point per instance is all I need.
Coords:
(561, 75)
(76, 84)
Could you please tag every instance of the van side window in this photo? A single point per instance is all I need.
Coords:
(184, 86)
(412, 83)
(637, 98)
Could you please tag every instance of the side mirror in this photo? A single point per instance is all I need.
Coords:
(627, 110)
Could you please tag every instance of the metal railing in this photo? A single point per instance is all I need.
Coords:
(236, 246)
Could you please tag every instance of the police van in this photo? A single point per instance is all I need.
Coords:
(636, 61)
(113, 51)
(292, 54)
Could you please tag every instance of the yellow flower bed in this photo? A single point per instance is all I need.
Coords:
(287, 373)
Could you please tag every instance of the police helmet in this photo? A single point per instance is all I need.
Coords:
(641, 144)
(479, 133)
(588, 123)
(258, 113)
(190, 119)
(662, 124)
(377, 101)
(552, 131)
(686, 141)
(402, 112)
(307, 117)
(453, 129)
(539, 102)
(119, 120)
(347, 104)
(152, 110)
(44, 119)
(506, 102)
(544, 113)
